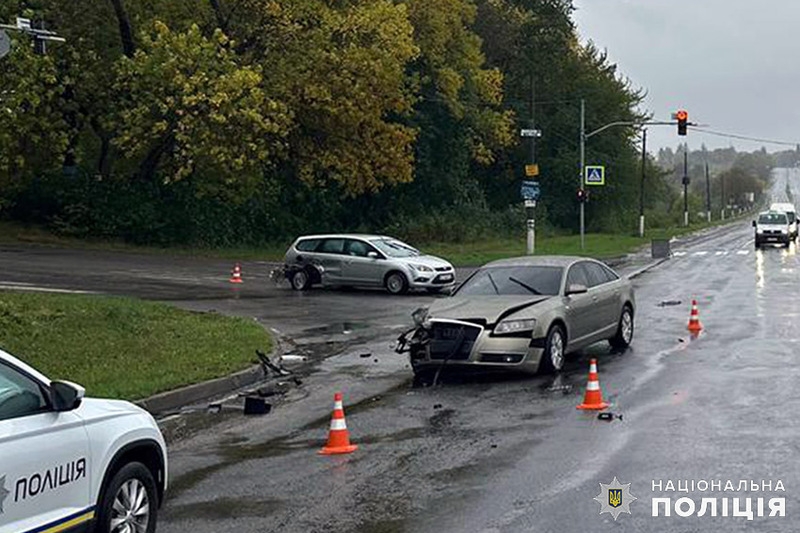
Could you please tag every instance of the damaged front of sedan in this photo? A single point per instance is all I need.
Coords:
(524, 314)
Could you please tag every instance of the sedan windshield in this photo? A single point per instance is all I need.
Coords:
(394, 248)
(772, 218)
(514, 280)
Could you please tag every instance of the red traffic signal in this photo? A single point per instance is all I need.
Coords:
(683, 121)
(582, 195)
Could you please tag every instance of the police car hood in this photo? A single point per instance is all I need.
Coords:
(95, 409)
(488, 308)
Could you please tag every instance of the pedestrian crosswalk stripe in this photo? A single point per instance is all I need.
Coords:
(679, 254)
(701, 253)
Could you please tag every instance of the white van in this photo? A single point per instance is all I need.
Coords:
(791, 214)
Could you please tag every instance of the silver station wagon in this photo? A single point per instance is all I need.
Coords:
(523, 314)
(364, 261)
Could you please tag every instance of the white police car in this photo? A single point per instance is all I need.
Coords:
(69, 463)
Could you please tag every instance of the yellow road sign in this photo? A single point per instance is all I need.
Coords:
(531, 170)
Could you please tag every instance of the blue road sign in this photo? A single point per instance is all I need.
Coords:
(530, 190)
(595, 175)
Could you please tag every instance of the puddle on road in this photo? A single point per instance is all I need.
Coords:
(340, 328)
(222, 509)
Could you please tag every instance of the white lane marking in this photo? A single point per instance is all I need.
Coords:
(721, 252)
(16, 287)
(16, 283)
(701, 253)
(743, 252)
(679, 254)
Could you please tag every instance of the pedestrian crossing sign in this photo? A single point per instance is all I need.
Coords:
(595, 175)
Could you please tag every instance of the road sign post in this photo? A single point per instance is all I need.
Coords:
(530, 192)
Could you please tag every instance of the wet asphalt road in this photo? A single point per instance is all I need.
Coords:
(495, 454)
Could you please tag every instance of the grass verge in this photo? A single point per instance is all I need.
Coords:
(599, 245)
(122, 347)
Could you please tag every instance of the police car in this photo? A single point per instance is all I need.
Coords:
(69, 463)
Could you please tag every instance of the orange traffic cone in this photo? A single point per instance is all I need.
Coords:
(236, 275)
(694, 319)
(593, 400)
(338, 436)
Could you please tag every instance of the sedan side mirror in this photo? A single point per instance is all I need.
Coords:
(373, 255)
(576, 288)
(66, 396)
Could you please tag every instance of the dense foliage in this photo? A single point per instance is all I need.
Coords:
(220, 122)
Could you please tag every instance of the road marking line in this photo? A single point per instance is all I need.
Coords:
(701, 253)
(16, 283)
(679, 254)
(15, 287)
(743, 252)
(721, 252)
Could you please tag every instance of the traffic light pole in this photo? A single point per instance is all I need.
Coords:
(641, 189)
(708, 194)
(686, 185)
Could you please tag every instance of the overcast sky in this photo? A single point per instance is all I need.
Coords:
(733, 64)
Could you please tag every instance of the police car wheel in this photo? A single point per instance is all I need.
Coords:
(130, 502)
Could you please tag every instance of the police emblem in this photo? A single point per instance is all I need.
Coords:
(615, 498)
(3, 493)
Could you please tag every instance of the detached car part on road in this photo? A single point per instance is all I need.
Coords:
(772, 227)
(364, 261)
(71, 463)
(523, 314)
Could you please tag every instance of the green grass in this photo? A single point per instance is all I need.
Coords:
(602, 246)
(122, 347)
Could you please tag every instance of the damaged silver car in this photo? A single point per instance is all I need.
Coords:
(524, 314)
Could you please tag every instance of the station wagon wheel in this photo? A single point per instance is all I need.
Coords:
(554, 350)
(396, 283)
(624, 335)
(300, 280)
(130, 502)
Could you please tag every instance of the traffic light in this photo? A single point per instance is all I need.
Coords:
(582, 195)
(683, 121)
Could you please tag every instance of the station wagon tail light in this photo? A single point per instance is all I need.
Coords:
(514, 326)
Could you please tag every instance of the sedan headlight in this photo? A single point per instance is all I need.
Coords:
(514, 326)
(784, 231)
(760, 231)
(421, 268)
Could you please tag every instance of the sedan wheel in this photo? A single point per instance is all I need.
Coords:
(554, 351)
(624, 335)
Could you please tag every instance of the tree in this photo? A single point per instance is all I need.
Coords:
(192, 106)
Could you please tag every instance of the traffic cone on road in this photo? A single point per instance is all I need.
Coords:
(694, 319)
(593, 399)
(338, 436)
(236, 274)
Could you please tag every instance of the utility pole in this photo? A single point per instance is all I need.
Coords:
(722, 195)
(708, 194)
(686, 185)
(641, 189)
(530, 205)
(583, 170)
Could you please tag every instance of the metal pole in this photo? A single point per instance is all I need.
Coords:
(722, 194)
(583, 170)
(641, 189)
(686, 185)
(530, 208)
(708, 194)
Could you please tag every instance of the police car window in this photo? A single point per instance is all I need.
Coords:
(19, 395)
(308, 245)
(332, 246)
(577, 276)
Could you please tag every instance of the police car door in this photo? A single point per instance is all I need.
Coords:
(44, 459)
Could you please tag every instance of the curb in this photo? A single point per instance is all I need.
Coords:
(646, 268)
(170, 401)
